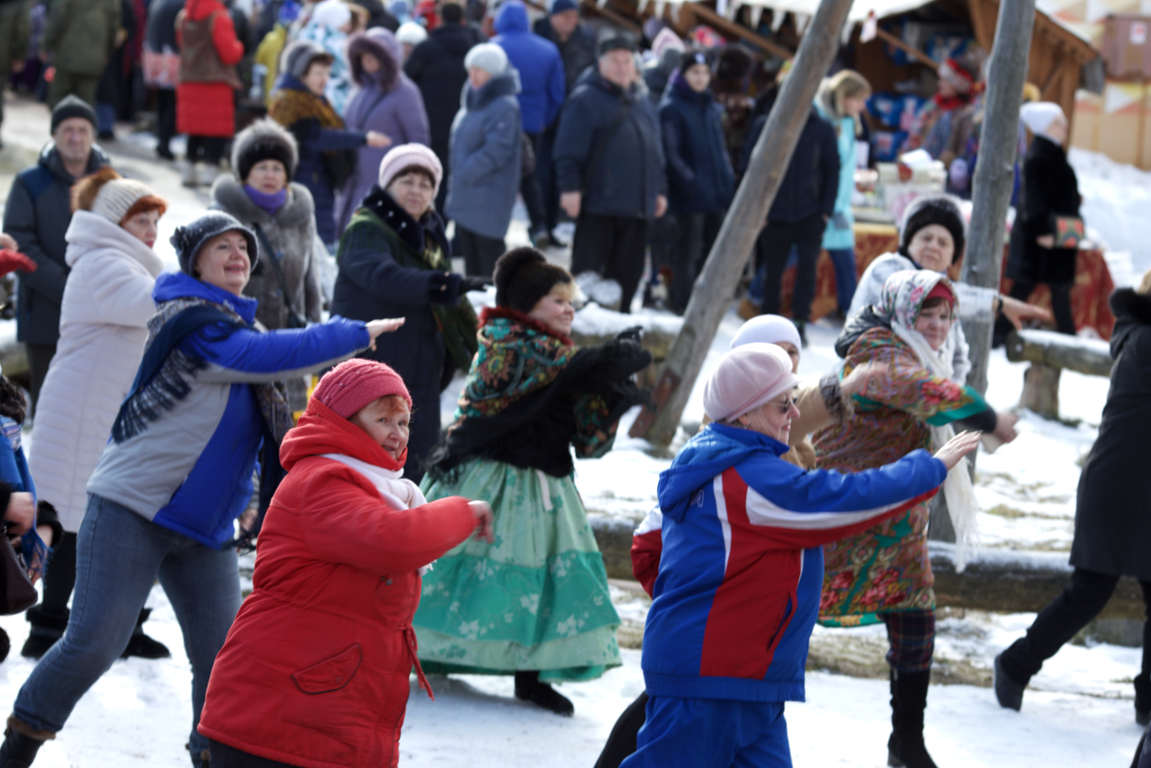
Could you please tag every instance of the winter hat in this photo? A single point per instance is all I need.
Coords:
(523, 276)
(108, 194)
(767, 329)
(934, 209)
(190, 238)
(489, 57)
(264, 140)
(407, 155)
(615, 40)
(332, 14)
(1039, 116)
(746, 378)
(357, 382)
(411, 33)
(71, 106)
(299, 55)
(959, 76)
(734, 63)
(559, 6)
(666, 40)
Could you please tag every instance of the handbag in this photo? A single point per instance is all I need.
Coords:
(294, 320)
(19, 594)
(1070, 231)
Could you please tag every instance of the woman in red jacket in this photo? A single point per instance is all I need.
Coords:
(205, 103)
(315, 668)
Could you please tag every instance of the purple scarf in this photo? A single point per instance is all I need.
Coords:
(269, 204)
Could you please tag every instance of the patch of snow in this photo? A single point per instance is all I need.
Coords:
(1116, 197)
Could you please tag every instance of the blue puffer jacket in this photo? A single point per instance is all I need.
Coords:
(485, 157)
(699, 172)
(190, 470)
(542, 83)
(630, 173)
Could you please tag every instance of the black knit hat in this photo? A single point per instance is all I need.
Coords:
(190, 238)
(71, 106)
(523, 276)
(935, 209)
(263, 140)
(615, 40)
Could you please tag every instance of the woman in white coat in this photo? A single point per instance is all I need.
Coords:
(103, 325)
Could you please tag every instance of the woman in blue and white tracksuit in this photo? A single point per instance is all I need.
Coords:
(176, 474)
(741, 569)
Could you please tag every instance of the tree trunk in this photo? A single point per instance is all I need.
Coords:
(717, 282)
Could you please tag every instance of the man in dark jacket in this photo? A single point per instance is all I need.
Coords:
(437, 67)
(37, 214)
(799, 215)
(610, 167)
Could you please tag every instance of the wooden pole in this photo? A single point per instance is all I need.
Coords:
(716, 284)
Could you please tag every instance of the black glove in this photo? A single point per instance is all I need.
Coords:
(470, 283)
(635, 333)
(444, 288)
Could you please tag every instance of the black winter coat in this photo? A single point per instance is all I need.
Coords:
(437, 67)
(578, 52)
(37, 214)
(812, 180)
(629, 173)
(1049, 189)
(160, 28)
(1112, 516)
(700, 177)
(372, 284)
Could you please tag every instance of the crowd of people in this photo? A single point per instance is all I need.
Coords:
(268, 396)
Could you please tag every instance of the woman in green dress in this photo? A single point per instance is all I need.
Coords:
(534, 602)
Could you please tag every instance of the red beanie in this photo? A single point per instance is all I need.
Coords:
(354, 383)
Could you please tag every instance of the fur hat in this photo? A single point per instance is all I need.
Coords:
(405, 156)
(384, 47)
(72, 106)
(523, 276)
(734, 63)
(332, 14)
(299, 55)
(264, 140)
(489, 57)
(1038, 116)
(190, 238)
(934, 209)
(357, 382)
(746, 378)
(108, 194)
(411, 33)
(767, 329)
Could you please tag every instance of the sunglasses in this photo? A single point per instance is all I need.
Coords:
(785, 406)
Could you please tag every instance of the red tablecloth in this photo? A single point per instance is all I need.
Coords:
(1093, 284)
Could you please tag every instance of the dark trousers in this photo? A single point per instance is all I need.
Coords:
(621, 743)
(696, 235)
(224, 756)
(533, 194)
(480, 253)
(776, 240)
(911, 639)
(1060, 305)
(614, 247)
(546, 175)
(1076, 606)
(206, 149)
(165, 118)
(39, 358)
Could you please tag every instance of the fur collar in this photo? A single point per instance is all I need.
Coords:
(229, 195)
(1126, 302)
(361, 43)
(492, 313)
(411, 232)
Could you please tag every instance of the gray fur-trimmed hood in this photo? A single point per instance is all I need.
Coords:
(265, 131)
(228, 195)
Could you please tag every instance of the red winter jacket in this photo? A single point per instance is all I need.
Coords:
(315, 668)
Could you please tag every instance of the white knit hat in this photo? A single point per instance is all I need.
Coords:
(489, 57)
(411, 33)
(117, 197)
(767, 329)
(1039, 115)
(332, 14)
(405, 156)
(746, 378)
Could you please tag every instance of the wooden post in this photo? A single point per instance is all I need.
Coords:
(716, 284)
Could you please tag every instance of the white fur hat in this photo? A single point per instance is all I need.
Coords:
(332, 14)
(767, 329)
(1039, 115)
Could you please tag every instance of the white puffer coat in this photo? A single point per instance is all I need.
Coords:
(103, 326)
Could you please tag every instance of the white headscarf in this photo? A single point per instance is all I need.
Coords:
(1039, 115)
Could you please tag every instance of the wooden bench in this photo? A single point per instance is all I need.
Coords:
(1050, 353)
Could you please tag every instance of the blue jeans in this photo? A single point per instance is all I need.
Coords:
(118, 557)
(845, 276)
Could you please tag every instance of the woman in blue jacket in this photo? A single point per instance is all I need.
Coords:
(700, 176)
(741, 569)
(177, 473)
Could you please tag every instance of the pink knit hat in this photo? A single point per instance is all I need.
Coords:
(406, 155)
(354, 383)
(746, 378)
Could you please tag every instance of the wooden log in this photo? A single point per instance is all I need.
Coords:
(1041, 390)
(1058, 350)
(595, 325)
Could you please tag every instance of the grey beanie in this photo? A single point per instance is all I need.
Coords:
(72, 106)
(299, 55)
(489, 57)
(190, 238)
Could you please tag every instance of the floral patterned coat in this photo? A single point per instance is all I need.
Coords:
(886, 568)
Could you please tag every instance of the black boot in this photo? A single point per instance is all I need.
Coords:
(1008, 691)
(47, 628)
(529, 688)
(1143, 699)
(143, 646)
(909, 700)
(21, 744)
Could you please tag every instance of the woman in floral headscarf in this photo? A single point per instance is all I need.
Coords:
(884, 574)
